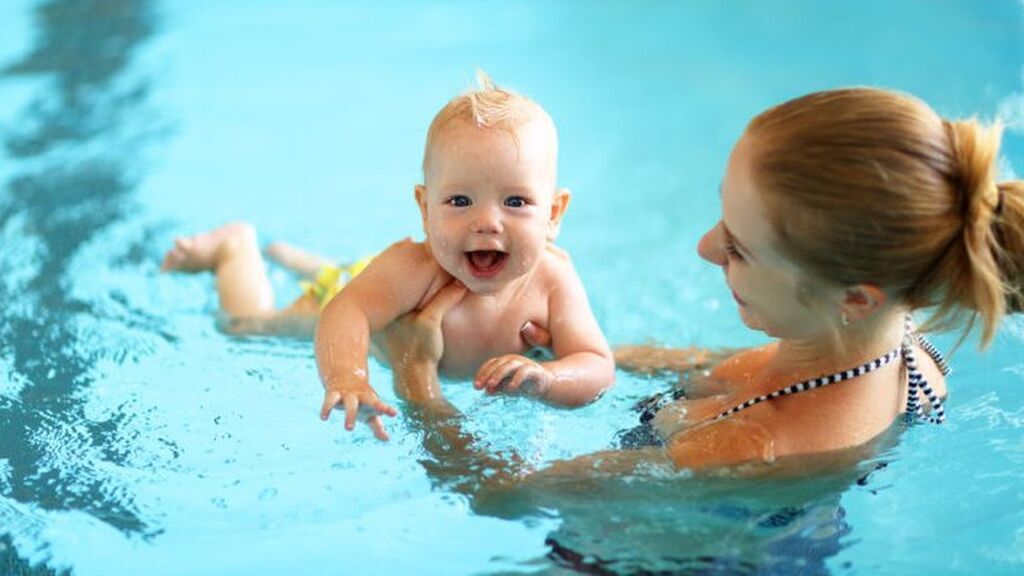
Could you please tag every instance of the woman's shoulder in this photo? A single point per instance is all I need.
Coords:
(821, 421)
(743, 363)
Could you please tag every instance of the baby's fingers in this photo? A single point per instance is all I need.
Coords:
(378, 406)
(351, 411)
(377, 425)
(485, 371)
(504, 375)
(331, 399)
(522, 375)
(501, 369)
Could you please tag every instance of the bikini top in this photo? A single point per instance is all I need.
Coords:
(916, 382)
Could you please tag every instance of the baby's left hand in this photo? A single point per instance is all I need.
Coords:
(513, 374)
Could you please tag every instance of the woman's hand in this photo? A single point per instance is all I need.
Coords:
(536, 336)
(415, 339)
(414, 344)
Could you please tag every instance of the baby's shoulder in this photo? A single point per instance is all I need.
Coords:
(555, 270)
(412, 262)
(556, 262)
(408, 256)
(407, 249)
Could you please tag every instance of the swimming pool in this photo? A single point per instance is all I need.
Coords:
(136, 438)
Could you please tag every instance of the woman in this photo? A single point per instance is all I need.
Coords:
(843, 212)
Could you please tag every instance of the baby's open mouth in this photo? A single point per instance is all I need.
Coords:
(486, 263)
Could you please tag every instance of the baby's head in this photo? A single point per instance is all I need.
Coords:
(489, 199)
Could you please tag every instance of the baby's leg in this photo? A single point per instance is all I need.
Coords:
(233, 254)
(302, 263)
(299, 319)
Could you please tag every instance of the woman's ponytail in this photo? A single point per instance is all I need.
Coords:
(983, 270)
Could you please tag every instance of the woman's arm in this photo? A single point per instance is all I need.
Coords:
(460, 461)
(649, 359)
(414, 344)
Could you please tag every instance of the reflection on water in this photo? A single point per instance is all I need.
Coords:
(134, 438)
(783, 518)
(701, 525)
(70, 154)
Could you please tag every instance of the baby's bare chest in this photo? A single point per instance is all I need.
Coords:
(477, 330)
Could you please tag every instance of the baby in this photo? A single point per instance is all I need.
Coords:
(491, 211)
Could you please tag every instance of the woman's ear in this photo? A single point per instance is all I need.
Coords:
(559, 204)
(861, 301)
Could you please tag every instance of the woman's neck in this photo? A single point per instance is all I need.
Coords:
(842, 348)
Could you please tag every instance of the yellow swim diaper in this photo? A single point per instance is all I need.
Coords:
(331, 279)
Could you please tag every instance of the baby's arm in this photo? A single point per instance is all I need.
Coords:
(391, 285)
(583, 367)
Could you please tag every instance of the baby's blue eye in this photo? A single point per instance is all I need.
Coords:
(515, 202)
(459, 201)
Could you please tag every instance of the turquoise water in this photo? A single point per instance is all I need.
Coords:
(136, 438)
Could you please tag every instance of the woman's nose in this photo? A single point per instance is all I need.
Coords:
(710, 246)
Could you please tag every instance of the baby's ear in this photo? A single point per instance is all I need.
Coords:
(559, 204)
(421, 201)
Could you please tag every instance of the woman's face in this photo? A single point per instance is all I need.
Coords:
(774, 294)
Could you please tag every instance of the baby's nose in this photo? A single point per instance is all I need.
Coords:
(487, 221)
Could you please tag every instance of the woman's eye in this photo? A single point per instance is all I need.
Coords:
(731, 251)
(516, 202)
(458, 201)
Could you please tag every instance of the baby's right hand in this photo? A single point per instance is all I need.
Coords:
(357, 397)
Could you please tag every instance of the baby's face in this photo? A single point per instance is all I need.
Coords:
(487, 204)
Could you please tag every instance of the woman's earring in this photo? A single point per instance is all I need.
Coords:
(845, 319)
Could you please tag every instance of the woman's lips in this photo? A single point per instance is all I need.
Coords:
(486, 263)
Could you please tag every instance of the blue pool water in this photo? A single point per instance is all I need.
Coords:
(136, 438)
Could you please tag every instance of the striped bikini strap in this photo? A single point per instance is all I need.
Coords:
(936, 356)
(916, 382)
(869, 366)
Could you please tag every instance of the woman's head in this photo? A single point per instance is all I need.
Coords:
(865, 187)
(774, 293)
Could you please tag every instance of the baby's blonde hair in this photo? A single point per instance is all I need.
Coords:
(871, 186)
(486, 107)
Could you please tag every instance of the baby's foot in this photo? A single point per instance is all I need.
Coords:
(297, 260)
(204, 251)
